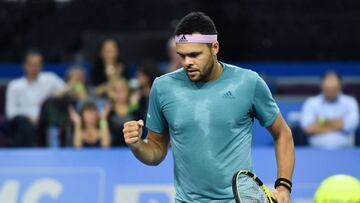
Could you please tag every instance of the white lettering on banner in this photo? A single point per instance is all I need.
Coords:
(9, 191)
(144, 193)
(41, 188)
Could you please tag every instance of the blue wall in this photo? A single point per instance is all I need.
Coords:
(115, 176)
(288, 69)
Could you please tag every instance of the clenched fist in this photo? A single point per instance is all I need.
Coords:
(132, 132)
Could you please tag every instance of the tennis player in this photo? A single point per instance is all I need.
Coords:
(206, 110)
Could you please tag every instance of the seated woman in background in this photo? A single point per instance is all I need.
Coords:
(90, 128)
(123, 109)
(108, 66)
(76, 84)
(53, 117)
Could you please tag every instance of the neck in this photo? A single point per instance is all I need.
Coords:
(216, 71)
(110, 62)
(90, 127)
(120, 103)
(31, 77)
(146, 90)
(121, 109)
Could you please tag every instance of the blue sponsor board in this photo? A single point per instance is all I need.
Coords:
(115, 176)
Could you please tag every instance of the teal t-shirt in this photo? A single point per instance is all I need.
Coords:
(210, 126)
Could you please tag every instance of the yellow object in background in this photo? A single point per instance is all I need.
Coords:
(339, 189)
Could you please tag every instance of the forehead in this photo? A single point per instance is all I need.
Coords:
(331, 79)
(190, 47)
(33, 57)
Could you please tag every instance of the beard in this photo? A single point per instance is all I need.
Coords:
(205, 74)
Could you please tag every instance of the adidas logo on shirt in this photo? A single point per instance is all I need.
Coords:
(228, 95)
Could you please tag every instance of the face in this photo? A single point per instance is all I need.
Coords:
(331, 87)
(90, 117)
(143, 79)
(33, 64)
(120, 91)
(109, 50)
(77, 75)
(198, 60)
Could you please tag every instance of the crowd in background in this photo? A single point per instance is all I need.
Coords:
(80, 110)
(89, 109)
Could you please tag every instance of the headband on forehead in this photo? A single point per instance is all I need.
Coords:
(195, 38)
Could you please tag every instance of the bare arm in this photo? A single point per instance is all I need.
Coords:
(77, 134)
(104, 134)
(105, 139)
(150, 151)
(284, 149)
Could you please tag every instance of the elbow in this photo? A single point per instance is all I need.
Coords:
(155, 163)
(307, 131)
(285, 135)
(152, 163)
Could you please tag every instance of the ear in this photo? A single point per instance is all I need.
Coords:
(215, 48)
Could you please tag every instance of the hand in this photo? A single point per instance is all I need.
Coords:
(135, 97)
(282, 195)
(105, 112)
(74, 116)
(132, 132)
(33, 122)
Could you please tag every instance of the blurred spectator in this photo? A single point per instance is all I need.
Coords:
(108, 65)
(123, 109)
(54, 117)
(175, 61)
(146, 74)
(90, 128)
(331, 118)
(76, 84)
(24, 97)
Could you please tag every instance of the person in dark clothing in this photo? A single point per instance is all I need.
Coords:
(108, 64)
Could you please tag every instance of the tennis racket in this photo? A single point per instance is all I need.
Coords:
(248, 188)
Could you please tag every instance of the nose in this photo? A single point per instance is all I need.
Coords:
(188, 61)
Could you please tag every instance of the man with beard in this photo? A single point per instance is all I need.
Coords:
(207, 110)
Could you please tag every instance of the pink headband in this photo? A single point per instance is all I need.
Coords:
(195, 38)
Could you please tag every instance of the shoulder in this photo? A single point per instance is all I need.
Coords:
(347, 99)
(178, 75)
(48, 76)
(314, 100)
(239, 71)
(241, 75)
(16, 83)
(50, 79)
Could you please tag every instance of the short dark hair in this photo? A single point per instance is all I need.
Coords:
(31, 52)
(331, 73)
(196, 22)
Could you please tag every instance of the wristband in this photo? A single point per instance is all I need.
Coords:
(103, 124)
(283, 182)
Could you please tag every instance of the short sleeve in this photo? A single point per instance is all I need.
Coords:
(155, 120)
(264, 107)
(57, 82)
(351, 118)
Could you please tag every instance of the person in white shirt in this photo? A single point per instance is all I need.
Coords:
(331, 118)
(24, 97)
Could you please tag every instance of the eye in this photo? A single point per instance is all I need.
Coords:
(194, 55)
(181, 55)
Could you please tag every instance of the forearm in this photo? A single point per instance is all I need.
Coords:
(285, 156)
(104, 134)
(317, 128)
(77, 136)
(149, 152)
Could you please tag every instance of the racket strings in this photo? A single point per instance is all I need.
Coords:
(249, 191)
